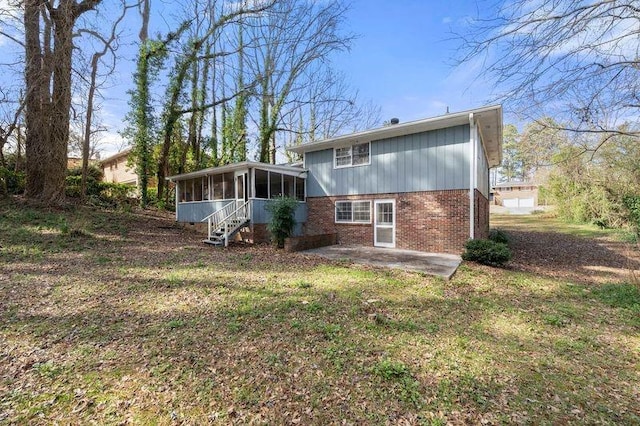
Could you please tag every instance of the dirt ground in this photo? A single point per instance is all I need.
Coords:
(583, 256)
(580, 257)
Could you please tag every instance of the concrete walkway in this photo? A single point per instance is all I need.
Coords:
(438, 264)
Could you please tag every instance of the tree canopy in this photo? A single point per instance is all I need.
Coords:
(574, 60)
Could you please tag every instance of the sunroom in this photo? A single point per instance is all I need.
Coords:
(234, 197)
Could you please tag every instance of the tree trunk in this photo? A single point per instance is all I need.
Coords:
(145, 11)
(172, 118)
(35, 142)
(192, 138)
(47, 118)
(87, 124)
(56, 166)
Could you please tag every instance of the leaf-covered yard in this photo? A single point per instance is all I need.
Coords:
(115, 317)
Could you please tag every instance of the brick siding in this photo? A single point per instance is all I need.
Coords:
(481, 222)
(433, 221)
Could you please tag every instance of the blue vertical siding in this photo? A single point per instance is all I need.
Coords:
(259, 214)
(434, 160)
(198, 210)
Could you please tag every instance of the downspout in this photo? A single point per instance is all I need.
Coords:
(472, 174)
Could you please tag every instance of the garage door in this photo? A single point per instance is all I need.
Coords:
(510, 202)
(525, 202)
(518, 202)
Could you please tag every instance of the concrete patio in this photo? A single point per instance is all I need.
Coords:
(438, 264)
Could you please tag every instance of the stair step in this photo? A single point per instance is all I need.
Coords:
(213, 242)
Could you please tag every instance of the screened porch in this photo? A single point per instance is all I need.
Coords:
(201, 193)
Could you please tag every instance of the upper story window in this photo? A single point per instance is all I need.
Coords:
(354, 155)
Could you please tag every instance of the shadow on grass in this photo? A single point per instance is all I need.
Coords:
(188, 332)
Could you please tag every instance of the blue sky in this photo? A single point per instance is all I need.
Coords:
(403, 57)
(401, 60)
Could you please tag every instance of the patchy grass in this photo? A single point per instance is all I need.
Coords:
(123, 318)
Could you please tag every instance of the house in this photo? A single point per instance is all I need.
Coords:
(115, 169)
(516, 195)
(421, 185)
(74, 162)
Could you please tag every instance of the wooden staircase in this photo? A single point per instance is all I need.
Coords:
(223, 224)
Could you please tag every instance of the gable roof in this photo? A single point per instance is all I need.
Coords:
(117, 155)
(513, 184)
(488, 119)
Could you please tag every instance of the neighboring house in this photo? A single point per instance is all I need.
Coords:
(421, 185)
(516, 195)
(115, 169)
(74, 162)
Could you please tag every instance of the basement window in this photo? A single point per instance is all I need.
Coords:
(353, 211)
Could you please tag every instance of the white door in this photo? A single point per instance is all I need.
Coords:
(384, 228)
(241, 187)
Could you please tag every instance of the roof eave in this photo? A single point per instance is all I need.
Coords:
(489, 121)
(233, 167)
(418, 126)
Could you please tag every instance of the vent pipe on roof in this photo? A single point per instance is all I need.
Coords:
(394, 121)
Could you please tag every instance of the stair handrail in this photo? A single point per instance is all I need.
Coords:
(231, 212)
(226, 210)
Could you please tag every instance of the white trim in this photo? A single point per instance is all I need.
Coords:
(376, 226)
(177, 191)
(244, 174)
(348, 222)
(473, 131)
(335, 166)
(287, 170)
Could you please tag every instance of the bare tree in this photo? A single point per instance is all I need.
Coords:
(195, 52)
(569, 59)
(109, 44)
(290, 41)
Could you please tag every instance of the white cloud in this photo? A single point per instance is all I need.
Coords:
(447, 20)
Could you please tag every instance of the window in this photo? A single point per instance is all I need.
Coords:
(287, 184)
(227, 186)
(300, 189)
(270, 185)
(360, 154)
(353, 211)
(205, 188)
(354, 155)
(197, 189)
(262, 183)
(275, 180)
(217, 187)
(343, 157)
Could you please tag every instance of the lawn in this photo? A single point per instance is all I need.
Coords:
(122, 317)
